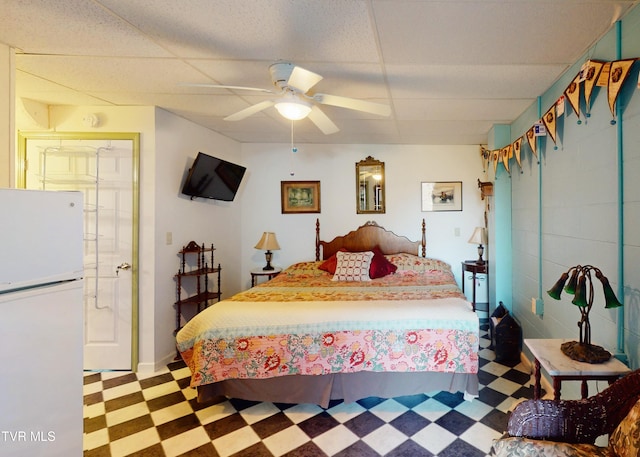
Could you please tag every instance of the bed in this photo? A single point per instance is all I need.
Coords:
(325, 330)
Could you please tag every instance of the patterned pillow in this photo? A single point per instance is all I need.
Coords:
(353, 266)
(523, 447)
(625, 439)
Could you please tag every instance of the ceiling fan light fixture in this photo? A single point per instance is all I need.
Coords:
(293, 108)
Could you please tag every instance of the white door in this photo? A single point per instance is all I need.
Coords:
(103, 170)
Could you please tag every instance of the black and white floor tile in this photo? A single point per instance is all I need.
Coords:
(126, 414)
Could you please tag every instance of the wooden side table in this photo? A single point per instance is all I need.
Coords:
(548, 355)
(476, 268)
(259, 272)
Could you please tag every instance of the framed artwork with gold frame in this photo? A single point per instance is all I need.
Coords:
(300, 197)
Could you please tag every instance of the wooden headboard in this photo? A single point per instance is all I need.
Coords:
(368, 236)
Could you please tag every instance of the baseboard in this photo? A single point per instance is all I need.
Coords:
(159, 365)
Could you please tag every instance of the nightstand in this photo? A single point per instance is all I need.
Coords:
(259, 272)
(476, 268)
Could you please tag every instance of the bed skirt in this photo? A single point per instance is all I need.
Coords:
(349, 387)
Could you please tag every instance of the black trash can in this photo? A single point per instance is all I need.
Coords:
(508, 340)
(495, 318)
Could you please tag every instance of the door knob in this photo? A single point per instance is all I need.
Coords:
(122, 266)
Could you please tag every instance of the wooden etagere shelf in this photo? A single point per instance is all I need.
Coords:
(196, 266)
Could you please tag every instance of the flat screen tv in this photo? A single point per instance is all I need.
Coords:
(210, 177)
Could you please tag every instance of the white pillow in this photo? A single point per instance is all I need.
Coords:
(353, 266)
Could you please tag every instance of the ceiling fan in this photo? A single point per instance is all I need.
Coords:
(295, 102)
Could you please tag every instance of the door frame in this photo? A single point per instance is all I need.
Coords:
(21, 182)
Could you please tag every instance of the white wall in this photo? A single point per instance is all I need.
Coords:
(334, 166)
(205, 221)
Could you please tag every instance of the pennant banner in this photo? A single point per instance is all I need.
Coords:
(593, 73)
(549, 120)
(517, 146)
(573, 95)
(531, 138)
(603, 79)
(560, 106)
(504, 152)
(617, 75)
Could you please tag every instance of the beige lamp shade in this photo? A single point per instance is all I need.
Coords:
(479, 236)
(268, 242)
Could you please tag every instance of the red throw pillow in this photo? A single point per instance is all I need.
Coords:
(380, 266)
(331, 263)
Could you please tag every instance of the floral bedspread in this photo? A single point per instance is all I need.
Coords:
(242, 340)
(300, 327)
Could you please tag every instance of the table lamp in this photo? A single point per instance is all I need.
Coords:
(479, 237)
(268, 243)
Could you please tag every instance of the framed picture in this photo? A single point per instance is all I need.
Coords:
(441, 196)
(300, 196)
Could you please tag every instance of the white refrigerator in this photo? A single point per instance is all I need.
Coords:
(41, 323)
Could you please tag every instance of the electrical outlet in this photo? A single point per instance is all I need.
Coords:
(169, 238)
(537, 306)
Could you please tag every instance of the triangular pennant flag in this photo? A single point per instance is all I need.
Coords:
(549, 120)
(504, 152)
(603, 79)
(560, 106)
(496, 156)
(531, 139)
(485, 154)
(572, 93)
(593, 72)
(517, 148)
(617, 75)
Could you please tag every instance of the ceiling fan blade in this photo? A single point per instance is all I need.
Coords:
(322, 121)
(222, 86)
(253, 109)
(302, 79)
(352, 103)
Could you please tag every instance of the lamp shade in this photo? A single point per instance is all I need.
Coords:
(479, 236)
(611, 301)
(580, 299)
(556, 290)
(268, 242)
(293, 108)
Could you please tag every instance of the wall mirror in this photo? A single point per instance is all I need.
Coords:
(370, 186)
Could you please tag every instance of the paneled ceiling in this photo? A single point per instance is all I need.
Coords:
(448, 69)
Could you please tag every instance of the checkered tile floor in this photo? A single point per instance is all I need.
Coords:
(126, 414)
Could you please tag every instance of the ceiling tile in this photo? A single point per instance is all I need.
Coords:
(448, 69)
